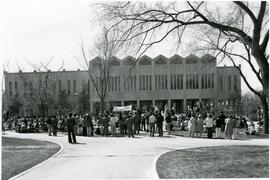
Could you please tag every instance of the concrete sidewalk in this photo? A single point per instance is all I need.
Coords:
(114, 157)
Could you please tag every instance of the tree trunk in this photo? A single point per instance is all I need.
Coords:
(262, 62)
(265, 113)
(102, 105)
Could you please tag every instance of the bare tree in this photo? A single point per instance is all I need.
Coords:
(232, 24)
(42, 92)
(63, 103)
(4, 67)
(83, 100)
(106, 47)
(250, 102)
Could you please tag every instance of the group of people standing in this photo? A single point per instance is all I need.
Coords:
(129, 124)
(132, 123)
(220, 124)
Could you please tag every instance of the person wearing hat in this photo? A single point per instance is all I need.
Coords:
(70, 127)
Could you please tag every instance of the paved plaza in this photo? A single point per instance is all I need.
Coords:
(114, 157)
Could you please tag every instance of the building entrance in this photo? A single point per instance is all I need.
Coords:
(146, 104)
(191, 103)
(161, 103)
(178, 105)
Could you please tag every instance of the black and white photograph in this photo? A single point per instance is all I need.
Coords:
(148, 89)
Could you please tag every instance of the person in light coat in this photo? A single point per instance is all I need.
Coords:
(192, 125)
(209, 123)
(152, 122)
(235, 128)
(113, 121)
(228, 127)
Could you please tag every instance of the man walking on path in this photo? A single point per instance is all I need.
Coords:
(70, 127)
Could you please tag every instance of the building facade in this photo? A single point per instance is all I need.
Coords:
(175, 81)
(33, 93)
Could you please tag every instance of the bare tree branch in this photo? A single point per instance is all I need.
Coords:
(247, 10)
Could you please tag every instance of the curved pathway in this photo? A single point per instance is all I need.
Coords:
(114, 157)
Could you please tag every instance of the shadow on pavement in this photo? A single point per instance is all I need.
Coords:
(79, 143)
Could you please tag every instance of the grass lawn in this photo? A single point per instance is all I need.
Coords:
(215, 162)
(19, 155)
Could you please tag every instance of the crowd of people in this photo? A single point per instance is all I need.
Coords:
(133, 122)
(224, 127)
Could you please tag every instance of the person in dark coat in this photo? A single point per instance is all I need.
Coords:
(219, 125)
(84, 125)
(139, 113)
(49, 125)
(89, 125)
(130, 123)
(143, 118)
(54, 123)
(105, 122)
(147, 115)
(222, 118)
(70, 126)
(169, 122)
(160, 120)
(136, 123)
(152, 121)
(121, 124)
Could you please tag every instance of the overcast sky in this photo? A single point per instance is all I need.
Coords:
(35, 30)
